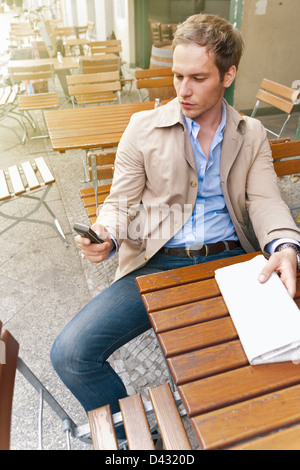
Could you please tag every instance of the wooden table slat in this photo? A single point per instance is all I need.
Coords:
(197, 272)
(207, 362)
(246, 420)
(197, 337)
(218, 391)
(190, 314)
(175, 296)
(286, 439)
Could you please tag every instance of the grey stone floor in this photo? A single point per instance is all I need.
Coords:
(44, 284)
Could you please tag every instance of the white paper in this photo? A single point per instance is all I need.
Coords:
(265, 316)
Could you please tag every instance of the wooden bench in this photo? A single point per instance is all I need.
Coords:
(100, 167)
(23, 181)
(286, 157)
(137, 429)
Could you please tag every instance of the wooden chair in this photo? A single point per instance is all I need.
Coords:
(156, 32)
(21, 33)
(278, 96)
(100, 65)
(65, 31)
(9, 349)
(111, 46)
(95, 87)
(134, 417)
(10, 362)
(100, 431)
(100, 169)
(158, 80)
(37, 101)
(8, 105)
(27, 181)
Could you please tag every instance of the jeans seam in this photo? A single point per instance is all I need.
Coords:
(103, 357)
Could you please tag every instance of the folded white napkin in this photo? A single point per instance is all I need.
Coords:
(265, 316)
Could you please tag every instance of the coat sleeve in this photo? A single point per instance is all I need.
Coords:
(270, 216)
(127, 186)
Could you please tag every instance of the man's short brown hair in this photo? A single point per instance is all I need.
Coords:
(214, 33)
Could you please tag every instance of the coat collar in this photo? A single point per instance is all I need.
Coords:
(172, 115)
(232, 139)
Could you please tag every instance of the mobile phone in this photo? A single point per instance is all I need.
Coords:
(87, 232)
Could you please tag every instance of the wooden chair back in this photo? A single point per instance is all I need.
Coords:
(100, 169)
(106, 47)
(90, 29)
(94, 87)
(19, 31)
(99, 65)
(156, 79)
(65, 31)
(40, 72)
(162, 33)
(9, 349)
(152, 78)
(278, 96)
(286, 157)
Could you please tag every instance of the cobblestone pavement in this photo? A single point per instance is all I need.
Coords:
(44, 284)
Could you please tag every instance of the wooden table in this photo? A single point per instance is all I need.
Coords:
(90, 127)
(230, 403)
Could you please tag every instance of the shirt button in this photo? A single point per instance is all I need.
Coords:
(193, 184)
(147, 257)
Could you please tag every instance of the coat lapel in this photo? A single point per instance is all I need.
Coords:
(232, 141)
(171, 117)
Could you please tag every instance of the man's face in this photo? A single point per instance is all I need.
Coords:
(197, 80)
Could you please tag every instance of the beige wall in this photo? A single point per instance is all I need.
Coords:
(271, 32)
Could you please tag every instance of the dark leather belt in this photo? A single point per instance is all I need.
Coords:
(204, 250)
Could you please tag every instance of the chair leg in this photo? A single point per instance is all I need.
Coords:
(255, 108)
(26, 218)
(68, 424)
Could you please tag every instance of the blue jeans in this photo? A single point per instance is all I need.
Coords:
(113, 318)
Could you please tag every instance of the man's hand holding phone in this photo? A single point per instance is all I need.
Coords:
(94, 250)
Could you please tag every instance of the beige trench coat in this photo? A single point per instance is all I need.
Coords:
(155, 185)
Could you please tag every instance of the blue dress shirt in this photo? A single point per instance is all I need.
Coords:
(210, 221)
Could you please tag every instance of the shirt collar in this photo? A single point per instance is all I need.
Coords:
(193, 127)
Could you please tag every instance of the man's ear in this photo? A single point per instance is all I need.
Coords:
(229, 76)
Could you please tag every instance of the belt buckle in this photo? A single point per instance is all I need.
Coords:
(187, 249)
(206, 250)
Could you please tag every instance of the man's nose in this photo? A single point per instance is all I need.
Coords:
(185, 89)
